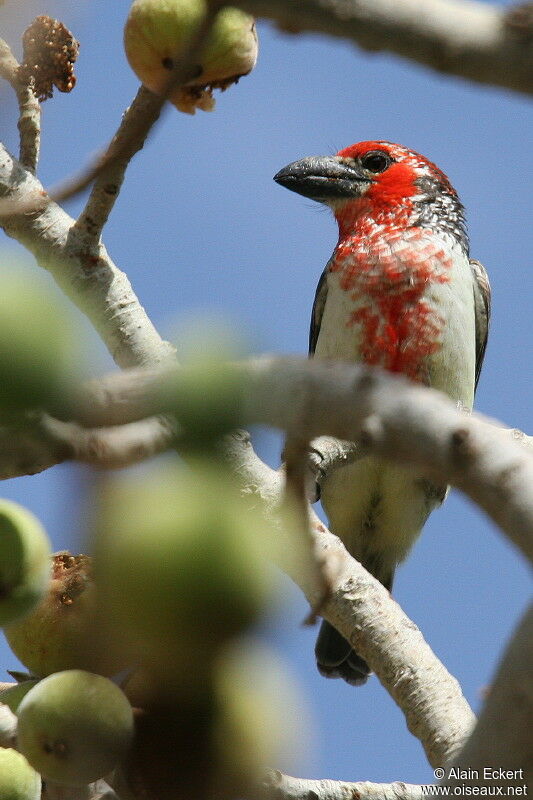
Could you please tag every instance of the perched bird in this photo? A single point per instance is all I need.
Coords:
(399, 292)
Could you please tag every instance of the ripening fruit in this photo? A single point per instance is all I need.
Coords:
(179, 567)
(61, 632)
(74, 727)
(18, 781)
(156, 33)
(24, 561)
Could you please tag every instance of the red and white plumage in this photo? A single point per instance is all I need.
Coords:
(399, 292)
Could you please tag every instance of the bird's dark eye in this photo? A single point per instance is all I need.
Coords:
(376, 161)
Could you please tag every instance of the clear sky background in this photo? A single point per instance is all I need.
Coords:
(201, 228)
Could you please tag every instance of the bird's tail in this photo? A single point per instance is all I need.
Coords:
(335, 657)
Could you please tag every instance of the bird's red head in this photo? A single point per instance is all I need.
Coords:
(378, 181)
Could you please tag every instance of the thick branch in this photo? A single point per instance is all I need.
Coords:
(387, 415)
(282, 787)
(474, 40)
(364, 612)
(87, 275)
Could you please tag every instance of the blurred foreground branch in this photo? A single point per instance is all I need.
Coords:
(478, 41)
(386, 414)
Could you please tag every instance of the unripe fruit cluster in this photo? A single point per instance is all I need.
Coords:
(180, 574)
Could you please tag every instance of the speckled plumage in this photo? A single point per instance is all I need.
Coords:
(399, 292)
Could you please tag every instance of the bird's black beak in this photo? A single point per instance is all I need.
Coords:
(324, 178)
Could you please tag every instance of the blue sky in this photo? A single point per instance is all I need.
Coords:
(201, 228)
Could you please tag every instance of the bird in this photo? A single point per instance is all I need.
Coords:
(400, 292)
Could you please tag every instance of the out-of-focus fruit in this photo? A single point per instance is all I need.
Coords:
(18, 781)
(61, 632)
(179, 568)
(260, 717)
(156, 33)
(36, 354)
(24, 564)
(141, 688)
(74, 727)
(12, 694)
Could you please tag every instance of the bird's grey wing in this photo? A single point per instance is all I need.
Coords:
(482, 295)
(318, 309)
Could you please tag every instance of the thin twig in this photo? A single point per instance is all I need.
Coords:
(87, 275)
(128, 140)
(110, 166)
(29, 123)
(29, 126)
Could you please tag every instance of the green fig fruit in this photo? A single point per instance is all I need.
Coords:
(18, 781)
(24, 561)
(157, 32)
(74, 727)
(36, 354)
(61, 632)
(179, 567)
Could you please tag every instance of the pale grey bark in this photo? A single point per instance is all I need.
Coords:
(478, 41)
(282, 787)
(39, 442)
(364, 612)
(29, 123)
(382, 413)
(87, 275)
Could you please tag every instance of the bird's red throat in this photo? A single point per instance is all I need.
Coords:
(388, 270)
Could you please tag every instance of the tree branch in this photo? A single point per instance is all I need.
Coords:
(364, 612)
(277, 786)
(38, 442)
(395, 419)
(473, 40)
(29, 123)
(385, 414)
(87, 275)
(136, 124)
(109, 168)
